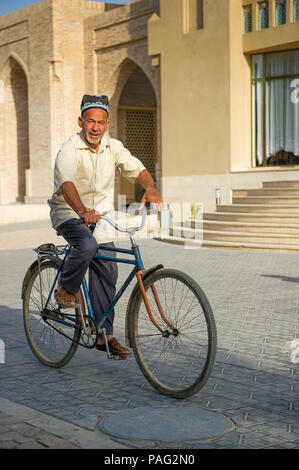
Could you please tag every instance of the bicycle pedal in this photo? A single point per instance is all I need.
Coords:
(61, 306)
(117, 357)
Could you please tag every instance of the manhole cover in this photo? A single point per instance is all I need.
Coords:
(169, 424)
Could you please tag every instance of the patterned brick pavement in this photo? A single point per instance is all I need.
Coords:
(254, 296)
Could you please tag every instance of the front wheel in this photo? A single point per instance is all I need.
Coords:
(53, 340)
(176, 349)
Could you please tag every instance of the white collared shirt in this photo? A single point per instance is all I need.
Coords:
(93, 174)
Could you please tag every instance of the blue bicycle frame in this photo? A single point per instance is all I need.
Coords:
(138, 266)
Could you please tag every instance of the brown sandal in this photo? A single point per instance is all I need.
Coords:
(64, 298)
(114, 347)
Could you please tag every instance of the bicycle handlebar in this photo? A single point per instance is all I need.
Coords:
(117, 227)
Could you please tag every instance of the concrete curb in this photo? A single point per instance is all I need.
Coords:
(78, 436)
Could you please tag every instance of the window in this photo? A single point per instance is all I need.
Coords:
(275, 108)
(263, 15)
(296, 10)
(248, 19)
(280, 12)
(193, 15)
(199, 14)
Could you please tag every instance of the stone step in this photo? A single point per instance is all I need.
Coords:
(278, 209)
(276, 184)
(227, 245)
(266, 200)
(245, 226)
(264, 218)
(252, 217)
(266, 192)
(217, 235)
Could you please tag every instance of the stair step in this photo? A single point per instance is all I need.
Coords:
(252, 217)
(288, 183)
(217, 235)
(281, 200)
(292, 192)
(278, 209)
(228, 245)
(264, 218)
(252, 227)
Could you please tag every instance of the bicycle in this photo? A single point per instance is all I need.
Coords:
(169, 321)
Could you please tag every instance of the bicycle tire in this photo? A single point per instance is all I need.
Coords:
(49, 346)
(178, 365)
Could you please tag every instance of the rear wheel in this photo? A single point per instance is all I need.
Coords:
(53, 336)
(177, 360)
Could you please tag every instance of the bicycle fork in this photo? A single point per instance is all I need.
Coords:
(165, 333)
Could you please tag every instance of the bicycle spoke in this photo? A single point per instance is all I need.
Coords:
(175, 360)
(46, 338)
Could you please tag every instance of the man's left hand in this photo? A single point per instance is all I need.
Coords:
(153, 198)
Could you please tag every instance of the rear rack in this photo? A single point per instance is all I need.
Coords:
(50, 249)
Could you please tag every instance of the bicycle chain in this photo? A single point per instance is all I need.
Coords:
(90, 319)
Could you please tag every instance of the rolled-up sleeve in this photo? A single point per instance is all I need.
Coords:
(65, 168)
(130, 167)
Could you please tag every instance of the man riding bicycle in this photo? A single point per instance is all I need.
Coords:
(84, 188)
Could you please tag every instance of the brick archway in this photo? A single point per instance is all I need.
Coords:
(14, 152)
(134, 120)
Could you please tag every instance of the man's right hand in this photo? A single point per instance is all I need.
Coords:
(72, 197)
(90, 217)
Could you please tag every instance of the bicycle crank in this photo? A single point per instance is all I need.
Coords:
(89, 332)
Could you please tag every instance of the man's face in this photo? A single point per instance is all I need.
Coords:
(94, 123)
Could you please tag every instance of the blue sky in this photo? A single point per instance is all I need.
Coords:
(12, 5)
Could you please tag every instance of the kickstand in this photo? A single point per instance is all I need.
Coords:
(109, 355)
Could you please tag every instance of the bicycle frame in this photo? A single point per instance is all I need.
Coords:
(138, 267)
(137, 271)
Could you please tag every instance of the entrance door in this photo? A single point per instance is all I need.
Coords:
(137, 127)
(139, 136)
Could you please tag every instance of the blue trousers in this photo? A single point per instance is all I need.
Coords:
(102, 273)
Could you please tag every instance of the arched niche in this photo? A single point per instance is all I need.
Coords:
(14, 152)
(133, 106)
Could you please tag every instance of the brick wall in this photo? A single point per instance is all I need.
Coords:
(65, 48)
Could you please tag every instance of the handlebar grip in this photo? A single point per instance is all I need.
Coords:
(91, 226)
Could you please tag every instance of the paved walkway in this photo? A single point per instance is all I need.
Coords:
(254, 296)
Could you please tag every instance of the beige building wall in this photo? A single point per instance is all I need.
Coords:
(194, 88)
(240, 94)
(206, 97)
(195, 98)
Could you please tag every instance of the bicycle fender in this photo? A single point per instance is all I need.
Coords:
(28, 274)
(134, 292)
